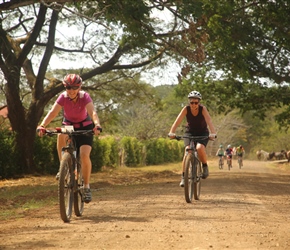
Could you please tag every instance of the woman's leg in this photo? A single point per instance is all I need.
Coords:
(61, 142)
(201, 153)
(85, 151)
(203, 158)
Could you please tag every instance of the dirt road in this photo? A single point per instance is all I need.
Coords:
(238, 209)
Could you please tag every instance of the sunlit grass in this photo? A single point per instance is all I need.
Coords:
(154, 168)
(16, 200)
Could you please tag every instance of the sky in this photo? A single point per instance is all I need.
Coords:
(157, 76)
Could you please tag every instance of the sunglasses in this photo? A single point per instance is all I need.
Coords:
(194, 103)
(72, 87)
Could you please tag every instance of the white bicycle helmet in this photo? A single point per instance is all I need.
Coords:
(194, 94)
(229, 146)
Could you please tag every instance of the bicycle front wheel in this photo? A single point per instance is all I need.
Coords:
(229, 164)
(220, 164)
(78, 194)
(188, 178)
(240, 162)
(197, 178)
(65, 187)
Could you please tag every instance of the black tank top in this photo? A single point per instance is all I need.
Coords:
(196, 125)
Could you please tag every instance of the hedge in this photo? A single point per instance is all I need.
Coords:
(107, 151)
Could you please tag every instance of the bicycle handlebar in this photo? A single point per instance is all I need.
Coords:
(192, 137)
(59, 130)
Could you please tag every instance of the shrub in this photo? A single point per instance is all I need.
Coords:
(9, 156)
(132, 150)
(46, 155)
(107, 151)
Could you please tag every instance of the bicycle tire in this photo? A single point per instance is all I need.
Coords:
(220, 164)
(240, 162)
(197, 178)
(78, 194)
(65, 187)
(188, 178)
(229, 164)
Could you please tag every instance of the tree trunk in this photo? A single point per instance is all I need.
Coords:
(25, 145)
(23, 123)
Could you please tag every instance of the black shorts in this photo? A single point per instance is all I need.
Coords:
(187, 140)
(84, 139)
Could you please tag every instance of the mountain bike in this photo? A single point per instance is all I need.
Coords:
(221, 163)
(229, 162)
(70, 182)
(193, 169)
(240, 161)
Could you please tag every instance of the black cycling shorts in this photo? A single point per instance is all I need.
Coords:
(203, 142)
(86, 139)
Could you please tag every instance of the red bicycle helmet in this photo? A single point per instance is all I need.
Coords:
(72, 80)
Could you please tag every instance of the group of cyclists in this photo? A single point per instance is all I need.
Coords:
(78, 111)
(229, 152)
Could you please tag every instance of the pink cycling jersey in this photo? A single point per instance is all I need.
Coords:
(74, 112)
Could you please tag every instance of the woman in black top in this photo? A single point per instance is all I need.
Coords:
(198, 122)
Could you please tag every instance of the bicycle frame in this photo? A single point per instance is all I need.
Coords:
(70, 188)
(221, 161)
(75, 168)
(193, 169)
(240, 161)
(229, 162)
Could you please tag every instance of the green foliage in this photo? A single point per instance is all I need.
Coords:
(132, 148)
(9, 157)
(45, 155)
(247, 65)
(162, 150)
(246, 68)
(110, 151)
(97, 155)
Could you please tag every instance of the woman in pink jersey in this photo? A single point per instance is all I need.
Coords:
(79, 111)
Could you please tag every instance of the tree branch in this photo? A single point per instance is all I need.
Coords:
(13, 4)
(33, 36)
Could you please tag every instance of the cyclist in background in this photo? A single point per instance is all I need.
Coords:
(198, 121)
(78, 110)
(229, 152)
(221, 153)
(240, 151)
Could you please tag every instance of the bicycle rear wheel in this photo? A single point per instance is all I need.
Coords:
(78, 194)
(65, 187)
(188, 178)
(197, 178)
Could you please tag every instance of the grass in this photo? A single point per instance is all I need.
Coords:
(27, 194)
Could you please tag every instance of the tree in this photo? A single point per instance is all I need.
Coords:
(248, 57)
(236, 51)
(124, 37)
